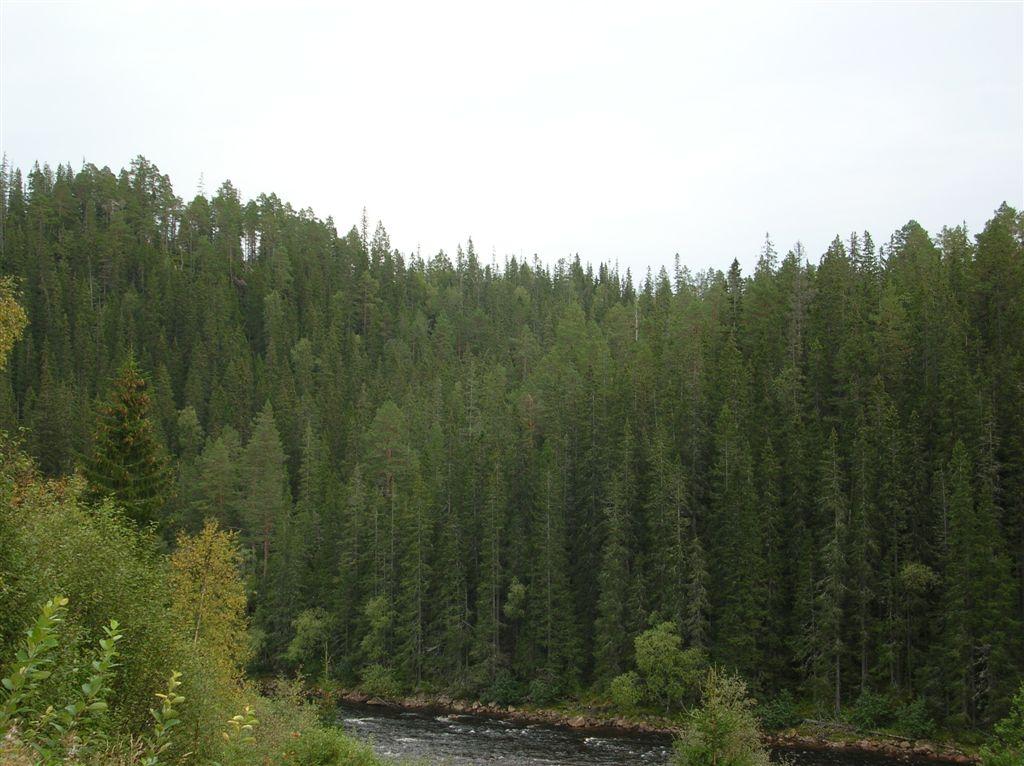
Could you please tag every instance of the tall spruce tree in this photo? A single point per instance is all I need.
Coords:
(612, 641)
(127, 462)
(829, 625)
(266, 502)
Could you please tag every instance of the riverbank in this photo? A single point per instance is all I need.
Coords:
(807, 737)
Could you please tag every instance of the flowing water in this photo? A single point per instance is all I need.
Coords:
(460, 740)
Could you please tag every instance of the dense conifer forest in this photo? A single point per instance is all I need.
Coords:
(459, 475)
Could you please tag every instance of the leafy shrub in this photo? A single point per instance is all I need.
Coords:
(671, 674)
(318, 746)
(626, 691)
(166, 719)
(1007, 748)
(724, 730)
(51, 542)
(544, 691)
(505, 690)
(380, 681)
(781, 712)
(105, 568)
(310, 648)
(290, 732)
(50, 729)
(871, 711)
(913, 720)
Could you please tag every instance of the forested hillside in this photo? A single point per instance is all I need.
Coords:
(449, 473)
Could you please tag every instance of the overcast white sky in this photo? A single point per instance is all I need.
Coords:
(623, 132)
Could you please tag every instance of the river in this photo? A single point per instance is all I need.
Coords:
(460, 740)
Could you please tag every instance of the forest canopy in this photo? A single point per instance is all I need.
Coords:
(445, 473)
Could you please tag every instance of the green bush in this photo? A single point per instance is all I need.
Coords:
(671, 674)
(290, 732)
(71, 679)
(1007, 747)
(105, 568)
(544, 691)
(319, 746)
(913, 720)
(626, 691)
(780, 713)
(54, 728)
(380, 681)
(724, 730)
(504, 691)
(871, 711)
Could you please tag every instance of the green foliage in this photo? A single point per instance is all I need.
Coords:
(241, 730)
(76, 724)
(544, 690)
(52, 728)
(504, 690)
(310, 648)
(165, 719)
(781, 712)
(127, 462)
(31, 661)
(723, 731)
(380, 618)
(1007, 749)
(626, 691)
(670, 673)
(821, 483)
(515, 603)
(914, 720)
(380, 681)
(104, 562)
(13, 319)
(104, 566)
(871, 711)
(328, 747)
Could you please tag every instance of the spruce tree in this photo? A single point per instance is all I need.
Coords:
(668, 532)
(219, 490)
(266, 502)
(612, 640)
(738, 553)
(487, 629)
(413, 603)
(829, 626)
(127, 462)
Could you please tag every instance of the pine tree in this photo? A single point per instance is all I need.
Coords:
(775, 565)
(127, 463)
(412, 613)
(219, 490)
(698, 604)
(266, 502)
(452, 598)
(550, 613)
(487, 629)
(863, 557)
(738, 561)
(612, 639)
(828, 640)
(977, 605)
(669, 531)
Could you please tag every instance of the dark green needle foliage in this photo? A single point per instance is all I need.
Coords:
(128, 463)
(491, 475)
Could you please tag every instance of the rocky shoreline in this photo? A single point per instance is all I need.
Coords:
(892, 747)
